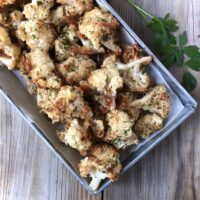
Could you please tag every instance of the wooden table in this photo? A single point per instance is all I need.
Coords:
(29, 170)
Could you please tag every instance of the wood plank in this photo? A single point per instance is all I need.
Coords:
(171, 170)
(28, 168)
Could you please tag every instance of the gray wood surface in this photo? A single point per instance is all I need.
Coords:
(29, 170)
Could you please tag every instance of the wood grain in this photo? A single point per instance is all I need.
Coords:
(29, 170)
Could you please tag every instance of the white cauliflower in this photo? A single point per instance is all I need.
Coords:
(155, 101)
(9, 53)
(38, 66)
(76, 7)
(76, 135)
(120, 133)
(106, 81)
(37, 11)
(62, 105)
(107, 78)
(102, 162)
(98, 26)
(148, 124)
(36, 34)
(136, 78)
(76, 69)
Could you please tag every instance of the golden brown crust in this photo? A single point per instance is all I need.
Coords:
(6, 2)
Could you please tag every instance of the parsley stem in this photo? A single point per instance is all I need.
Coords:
(145, 14)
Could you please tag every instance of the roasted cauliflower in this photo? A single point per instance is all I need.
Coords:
(120, 133)
(107, 79)
(75, 69)
(76, 135)
(98, 26)
(102, 162)
(76, 7)
(38, 66)
(155, 101)
(37, 11)
(62, 105)
(148, 124)
(36, 34)
(9, 53)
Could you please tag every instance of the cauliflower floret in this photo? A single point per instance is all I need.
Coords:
(76, 7)
(76, 69)
(102, 162)
(67, 44)
(155, 101)
(148, 124)
(136, 78)
(36, 11)
(107, 78)
(120, 132)
(38, 66)
(106, 81)
(97, 25)
(76, 136)
(9, 53)
(64, 104)
(37, 34)
(6, 2)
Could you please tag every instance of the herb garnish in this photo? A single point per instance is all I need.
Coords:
(173, 49)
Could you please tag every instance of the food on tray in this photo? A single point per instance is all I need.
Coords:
(102, 162)
(71, 57)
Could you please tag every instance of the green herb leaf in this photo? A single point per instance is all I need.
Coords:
(192, 51)
(194, 64)
(183, 40)
(189, 82)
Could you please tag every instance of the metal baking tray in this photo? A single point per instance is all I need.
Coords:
(182, 106)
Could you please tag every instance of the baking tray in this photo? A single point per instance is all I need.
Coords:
(182, 106)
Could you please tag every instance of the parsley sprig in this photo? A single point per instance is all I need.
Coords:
(174, 50)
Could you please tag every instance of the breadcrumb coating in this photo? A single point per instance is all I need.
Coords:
(148, 124)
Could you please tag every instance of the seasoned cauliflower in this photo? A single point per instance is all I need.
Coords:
(102, 162)
(9, 53)
(76, 135)
(36, 34)
(148, 124)
(6, 2)
(76, 7)
(131, 52)
(76, 69)
(120, 132)
(155, 101)
(98, 26)
(64, 104)
(123, 101)
(36, 11)
(106, 79)
(38, 66)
